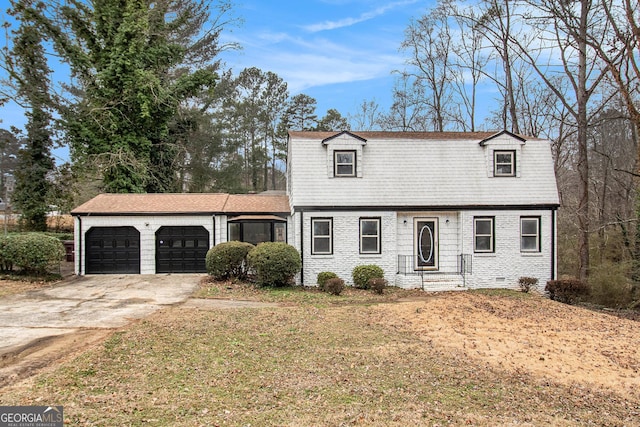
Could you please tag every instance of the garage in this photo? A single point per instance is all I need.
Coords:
(112, 250)
(169, 233)
(181, 249)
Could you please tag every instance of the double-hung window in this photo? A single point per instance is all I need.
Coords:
(504, 163)
(369, 235)
(484, 234)
(321, 236)
(344, 163)
(530, 234)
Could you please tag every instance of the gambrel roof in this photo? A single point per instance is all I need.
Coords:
(407, 170)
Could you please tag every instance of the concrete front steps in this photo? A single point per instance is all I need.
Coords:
(439, 282)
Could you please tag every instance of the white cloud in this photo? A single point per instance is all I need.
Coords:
(347, 22)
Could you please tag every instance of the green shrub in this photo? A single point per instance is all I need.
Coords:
(609, 286)
(363, 273)
(274, 263)
(334, 286)
(568, 290)
(377, 285)
(6, 256)
(323, 277)
(34, 253)
(228, 259)
(526, 283)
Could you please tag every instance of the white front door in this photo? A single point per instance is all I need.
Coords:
(426, 243)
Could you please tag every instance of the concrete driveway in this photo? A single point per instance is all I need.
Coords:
(88, 302)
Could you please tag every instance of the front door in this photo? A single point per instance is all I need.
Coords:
(426, 243)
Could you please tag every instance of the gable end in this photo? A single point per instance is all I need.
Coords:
(344, 133)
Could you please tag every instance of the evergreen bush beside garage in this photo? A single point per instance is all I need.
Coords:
(274, 263)
(228, 260)
(35, 253)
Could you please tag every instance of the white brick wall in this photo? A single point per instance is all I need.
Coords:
(346, 245)
(500, 269)
(507, 264)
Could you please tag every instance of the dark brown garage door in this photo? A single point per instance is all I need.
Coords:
(181, 249)
(112, 250)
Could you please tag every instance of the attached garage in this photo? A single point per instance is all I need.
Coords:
(169, 233)
(181, 249)
(111, 250)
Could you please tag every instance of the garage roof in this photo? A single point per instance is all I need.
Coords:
(183, 203)
(246, 203)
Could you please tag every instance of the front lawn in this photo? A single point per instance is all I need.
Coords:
(320, 360)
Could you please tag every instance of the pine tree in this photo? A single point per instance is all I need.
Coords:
(31, 73)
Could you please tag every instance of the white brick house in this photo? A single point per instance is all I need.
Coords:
(434, 210)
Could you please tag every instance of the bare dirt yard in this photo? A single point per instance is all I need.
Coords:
(544, 339)
(307, 358)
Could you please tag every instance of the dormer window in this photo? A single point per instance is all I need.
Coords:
(344, 163)
(504, 163)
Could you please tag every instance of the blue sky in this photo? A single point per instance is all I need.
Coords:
(340, 52)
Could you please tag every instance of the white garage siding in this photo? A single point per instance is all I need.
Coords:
(146, 225)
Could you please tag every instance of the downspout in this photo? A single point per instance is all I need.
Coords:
(302, 247)
(79, 254)
(553, 244)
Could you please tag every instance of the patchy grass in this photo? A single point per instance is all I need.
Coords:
(293, 295)
(319, 360)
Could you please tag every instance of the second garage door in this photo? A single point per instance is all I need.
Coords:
(181, 249)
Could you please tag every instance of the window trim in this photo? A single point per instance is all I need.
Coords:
(353, 164)
(314, 237)
(492, 235)
(496, 164)
(537, 235)
(378, 235)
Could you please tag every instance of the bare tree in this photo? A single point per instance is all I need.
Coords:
(429, 43)
(408, 111)
(367, 117)
(564, 27)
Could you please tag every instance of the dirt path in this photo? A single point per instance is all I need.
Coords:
(542, 338)
(46, 353)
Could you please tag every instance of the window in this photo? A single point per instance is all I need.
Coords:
(321, 236)
(530, 234)
(369, 235)
(483, 234)
(344, 163)
(504, 163)
(257, 231)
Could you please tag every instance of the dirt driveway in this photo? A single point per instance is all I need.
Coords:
(39, 325)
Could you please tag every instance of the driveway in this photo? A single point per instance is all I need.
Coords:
(88, 302)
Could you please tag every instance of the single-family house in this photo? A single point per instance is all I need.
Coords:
(434, 210)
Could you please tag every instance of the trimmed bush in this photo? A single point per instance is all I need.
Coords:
(378, 285)
(363, 273)
(323, 277)
(334, 286)
(34, 253)
(567, 291)
(526, 283)
(274, 263)
(228, 260)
